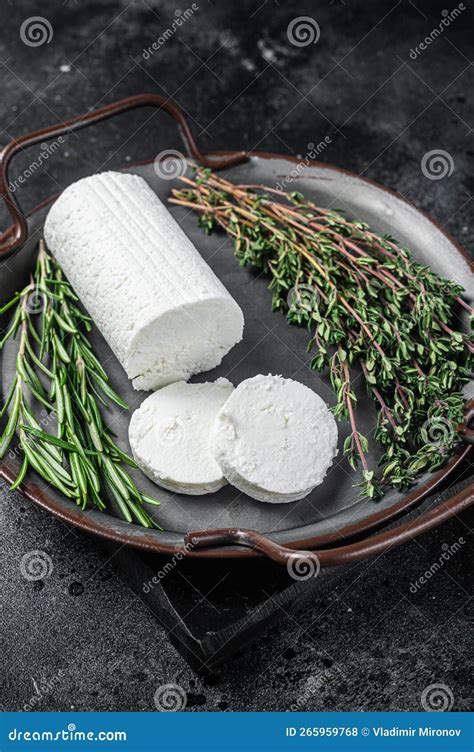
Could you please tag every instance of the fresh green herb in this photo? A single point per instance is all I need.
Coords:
(82, 460)
(371, 310)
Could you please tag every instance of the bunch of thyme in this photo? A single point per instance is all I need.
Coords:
(368, 307)
(56, 367)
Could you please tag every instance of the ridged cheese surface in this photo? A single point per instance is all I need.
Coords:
(160, 307)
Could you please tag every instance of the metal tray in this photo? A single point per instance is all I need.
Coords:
(228, 523)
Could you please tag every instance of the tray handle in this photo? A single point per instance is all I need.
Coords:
(297, 559)
(300, 561)
(465, 432)
(17, 234)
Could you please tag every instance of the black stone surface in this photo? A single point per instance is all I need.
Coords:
(210, 612)
(81, 638)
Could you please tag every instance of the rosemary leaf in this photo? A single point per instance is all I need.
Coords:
(82, 461)
(21, 475)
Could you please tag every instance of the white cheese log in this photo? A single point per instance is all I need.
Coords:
(162, 310)
(169, 436)
(274, 439)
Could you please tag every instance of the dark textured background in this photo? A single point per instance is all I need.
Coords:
(81, 634)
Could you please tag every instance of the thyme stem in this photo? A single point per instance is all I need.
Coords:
(366, 304)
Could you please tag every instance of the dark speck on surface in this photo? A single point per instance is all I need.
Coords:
(76, 588)
(195, 699)
(212, 680)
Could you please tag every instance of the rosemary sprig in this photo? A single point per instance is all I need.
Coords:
(56, 366)
(371, 310)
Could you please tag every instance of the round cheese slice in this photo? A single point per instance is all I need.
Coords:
(169, 436)
(274, 439)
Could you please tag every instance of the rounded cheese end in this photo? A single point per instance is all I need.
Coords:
(160, 307)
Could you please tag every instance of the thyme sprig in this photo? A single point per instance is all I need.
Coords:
(371, 310)
(56, 367)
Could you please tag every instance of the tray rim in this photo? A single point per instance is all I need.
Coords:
(149, 541)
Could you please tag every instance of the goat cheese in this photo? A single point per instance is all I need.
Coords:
(160, 307)
(274, 439)
(169, 436)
